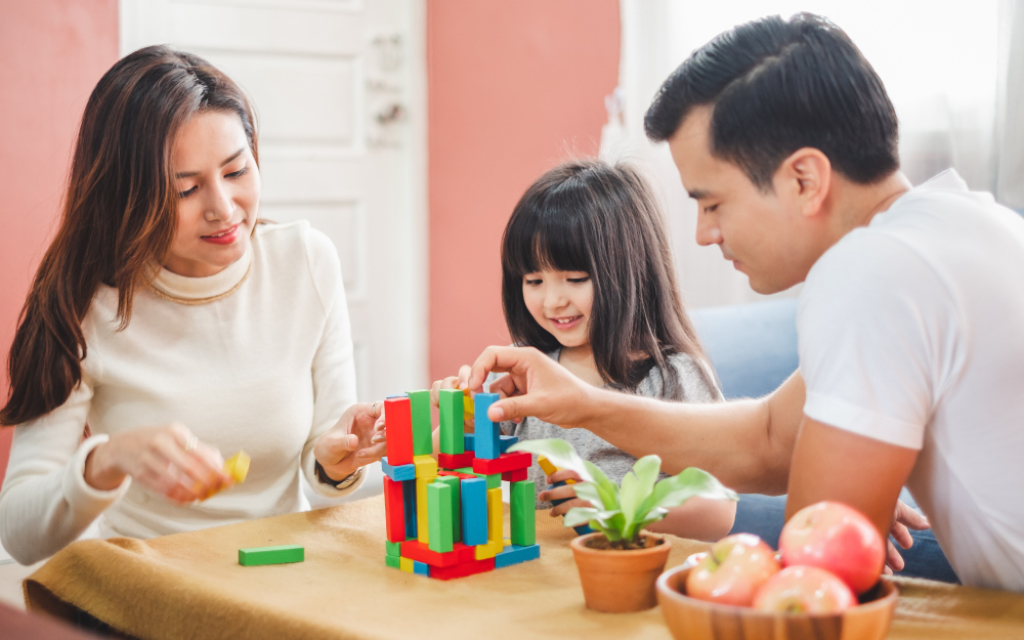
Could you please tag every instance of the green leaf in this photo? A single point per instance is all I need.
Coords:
(589, 491)
(629, 497)
(558, 451)
(646, 470)
(674, 491)
(579, 515)
(609, 490)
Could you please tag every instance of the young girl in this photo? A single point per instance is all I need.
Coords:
(587, 277)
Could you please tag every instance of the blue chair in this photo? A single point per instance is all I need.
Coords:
(753, 348)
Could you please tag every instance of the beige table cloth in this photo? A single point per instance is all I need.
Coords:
(191, 586)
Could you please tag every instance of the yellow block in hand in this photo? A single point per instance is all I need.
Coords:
(468, 406)
(237, 466)
(549, 468)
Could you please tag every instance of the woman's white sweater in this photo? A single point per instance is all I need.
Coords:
(266, 369)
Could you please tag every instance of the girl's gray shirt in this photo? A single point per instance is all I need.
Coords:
(697, 384)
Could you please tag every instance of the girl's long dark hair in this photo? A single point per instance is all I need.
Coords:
(119, 214)
(590, 216)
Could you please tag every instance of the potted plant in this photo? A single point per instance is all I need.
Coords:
(620, 562)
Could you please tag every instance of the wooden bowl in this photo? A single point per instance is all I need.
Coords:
(691, 619)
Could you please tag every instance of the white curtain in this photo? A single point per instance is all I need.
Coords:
(954, 73)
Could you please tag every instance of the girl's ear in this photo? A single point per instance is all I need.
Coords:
(806, 177)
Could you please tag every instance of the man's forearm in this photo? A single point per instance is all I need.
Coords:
(747, 444)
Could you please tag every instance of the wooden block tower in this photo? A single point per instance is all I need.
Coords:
(444, 516)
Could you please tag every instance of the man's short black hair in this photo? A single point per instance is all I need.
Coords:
(778, 86)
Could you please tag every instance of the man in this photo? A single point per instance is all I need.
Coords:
(911, 321)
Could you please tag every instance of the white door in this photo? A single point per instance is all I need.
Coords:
(339, 89)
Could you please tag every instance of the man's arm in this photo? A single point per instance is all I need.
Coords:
(834, 464)
(747, 444)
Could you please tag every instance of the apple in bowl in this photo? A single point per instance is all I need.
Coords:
(837, 538)
(804, 590)
(733, 571)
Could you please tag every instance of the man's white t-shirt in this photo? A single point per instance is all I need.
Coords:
(912, 332)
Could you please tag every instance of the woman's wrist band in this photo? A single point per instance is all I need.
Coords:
(344, 483)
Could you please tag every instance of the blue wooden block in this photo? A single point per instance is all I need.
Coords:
(580, 529)
(507, 441)
(514, 555)
(487, 441)
(469, 441)
(420, 568)
(474, 512)
(398, 473)
(409, 493)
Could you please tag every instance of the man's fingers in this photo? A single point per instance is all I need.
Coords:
(498, 360)
(912, 518)
(893, 558)
(902, 535)
(463, 379)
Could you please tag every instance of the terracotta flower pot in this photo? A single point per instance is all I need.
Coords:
(620, 581)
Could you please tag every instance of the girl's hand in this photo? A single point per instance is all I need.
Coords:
(453, 382)
(169, 460)
(567, 493)
(350, 443)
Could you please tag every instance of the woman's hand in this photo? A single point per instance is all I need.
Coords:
(566, 492)
(169, 460)
(352, 442)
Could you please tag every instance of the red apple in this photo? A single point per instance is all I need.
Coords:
(837, 538)
(734, 570)
(694, 559)
(804, 590)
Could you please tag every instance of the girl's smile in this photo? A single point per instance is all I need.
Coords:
(560, 302)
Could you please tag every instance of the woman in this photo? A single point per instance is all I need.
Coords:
(172, 327)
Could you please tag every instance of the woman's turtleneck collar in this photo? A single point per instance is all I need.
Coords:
(205, 289)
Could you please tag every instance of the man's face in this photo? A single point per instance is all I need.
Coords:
(761, 233)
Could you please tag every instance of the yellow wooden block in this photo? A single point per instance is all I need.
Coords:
(494, 515)
(422, 524)
(549, 468)
(489, 550)
(237, 466)
(468, 406)
(405, 564)
(426, 467)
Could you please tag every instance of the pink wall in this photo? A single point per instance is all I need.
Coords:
(52, 53)
(514, 88)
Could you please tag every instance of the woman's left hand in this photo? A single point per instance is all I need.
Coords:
(349, 444)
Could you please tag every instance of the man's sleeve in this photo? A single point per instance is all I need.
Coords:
(878, 333)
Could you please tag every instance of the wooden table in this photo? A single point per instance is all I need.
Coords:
(191, 586)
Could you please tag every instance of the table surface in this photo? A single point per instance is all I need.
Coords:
(190, 585)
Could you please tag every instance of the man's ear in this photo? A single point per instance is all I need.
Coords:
(806, 175)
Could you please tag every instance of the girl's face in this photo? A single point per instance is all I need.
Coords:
(219, 185)
(560, 302)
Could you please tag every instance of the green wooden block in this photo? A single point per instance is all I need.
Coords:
(452, 421)
(493, 480)
(522, 514)
(394, 548)
(466, 470)
(395, 562)
(271, 555)
(422, 432)
(439, 516)
(456, 485)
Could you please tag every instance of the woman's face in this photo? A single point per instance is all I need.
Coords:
(560, 302)
(219, 185)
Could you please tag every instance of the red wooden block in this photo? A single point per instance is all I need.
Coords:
(455, 460)
(398, 427)
(505, 462)
(515, 476)
(462, 570)
(394, 510)
(420, 551)
(460, 476)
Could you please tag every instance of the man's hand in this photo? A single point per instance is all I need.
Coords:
(349, 444)
(904, 519)
(536, 386)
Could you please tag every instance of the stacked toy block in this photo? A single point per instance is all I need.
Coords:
(444, 516)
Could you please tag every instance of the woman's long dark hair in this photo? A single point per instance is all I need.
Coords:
(590, 216)
(119, 214)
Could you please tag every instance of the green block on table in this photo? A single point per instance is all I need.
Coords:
(456, 485)
(522, 514)
(422, 432)
(271, 555)
(395, 562)
(394, 548)
(467, 470)
(452, 421)
(493, 480)
(439, 515)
